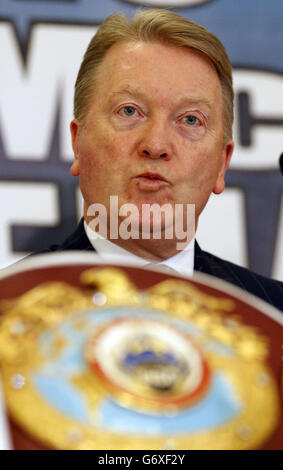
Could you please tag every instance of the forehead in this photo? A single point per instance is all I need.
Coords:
(159, 69)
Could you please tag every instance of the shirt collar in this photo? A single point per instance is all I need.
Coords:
(182, 262)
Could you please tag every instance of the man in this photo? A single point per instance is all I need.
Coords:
(153, 126)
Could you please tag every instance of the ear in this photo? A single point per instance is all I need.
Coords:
(75, 133)
(226, 157)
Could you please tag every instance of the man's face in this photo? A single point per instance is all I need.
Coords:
(154, 131)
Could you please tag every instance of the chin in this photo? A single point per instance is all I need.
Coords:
(157, 224)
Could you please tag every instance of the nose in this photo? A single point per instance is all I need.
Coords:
(155, 141)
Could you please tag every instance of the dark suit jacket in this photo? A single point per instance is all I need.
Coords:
(267, 289)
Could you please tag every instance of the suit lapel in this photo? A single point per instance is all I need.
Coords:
(210, 264)
(78, 240)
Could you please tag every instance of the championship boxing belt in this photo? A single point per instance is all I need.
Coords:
(98, 356)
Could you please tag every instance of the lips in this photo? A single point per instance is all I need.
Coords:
(151, 182)
(152, 176)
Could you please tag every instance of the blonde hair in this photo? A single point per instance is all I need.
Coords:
(155, 25)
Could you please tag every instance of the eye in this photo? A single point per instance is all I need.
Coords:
(128, 111)
(191, 120)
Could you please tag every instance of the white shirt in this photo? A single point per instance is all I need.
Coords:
(182, 262)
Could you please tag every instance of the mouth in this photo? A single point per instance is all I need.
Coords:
(152, 177)
(151, 182)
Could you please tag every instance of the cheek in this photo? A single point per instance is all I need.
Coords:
(202, 161)
(92, 159)
(103, 167)
(107, 153)
(200, 168)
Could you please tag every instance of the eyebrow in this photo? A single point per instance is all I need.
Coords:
(182, 101)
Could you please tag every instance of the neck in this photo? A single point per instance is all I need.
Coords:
(152, 250)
